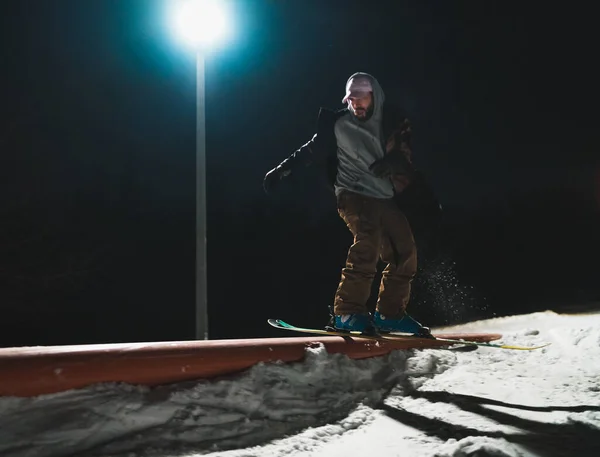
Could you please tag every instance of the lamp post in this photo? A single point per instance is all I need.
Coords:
(200, 24)
(201, 275)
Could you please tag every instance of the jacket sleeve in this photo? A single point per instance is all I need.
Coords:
(305, 156)
(316, 149)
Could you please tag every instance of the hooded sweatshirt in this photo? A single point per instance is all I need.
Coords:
(359, 144)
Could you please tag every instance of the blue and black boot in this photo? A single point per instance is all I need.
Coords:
(400, 324)
(358, 322)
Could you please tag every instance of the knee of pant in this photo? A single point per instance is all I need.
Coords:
(365, 261)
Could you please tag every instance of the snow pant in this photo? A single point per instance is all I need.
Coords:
(381, 231)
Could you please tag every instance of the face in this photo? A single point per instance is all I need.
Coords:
(362, 106)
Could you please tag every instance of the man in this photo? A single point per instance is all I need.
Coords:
(366, 147)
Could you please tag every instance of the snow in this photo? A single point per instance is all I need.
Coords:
(433, 402)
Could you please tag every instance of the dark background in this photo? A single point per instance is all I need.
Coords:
(97, 153)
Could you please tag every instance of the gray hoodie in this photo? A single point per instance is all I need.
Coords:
(359, 144)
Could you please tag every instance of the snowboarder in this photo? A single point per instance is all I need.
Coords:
(366, 149)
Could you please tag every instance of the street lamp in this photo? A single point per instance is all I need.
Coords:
(200, 24)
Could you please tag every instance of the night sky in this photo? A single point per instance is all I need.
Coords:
(97, 160)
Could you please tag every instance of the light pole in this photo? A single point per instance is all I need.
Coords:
(200, 24)
(201, 279)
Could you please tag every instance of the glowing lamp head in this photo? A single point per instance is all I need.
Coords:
(201, 24)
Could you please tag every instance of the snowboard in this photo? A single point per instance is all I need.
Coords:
(466, 339)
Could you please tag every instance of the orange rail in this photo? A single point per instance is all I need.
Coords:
(31, 371)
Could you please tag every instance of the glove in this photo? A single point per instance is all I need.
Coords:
(273, 177)
(393, 163)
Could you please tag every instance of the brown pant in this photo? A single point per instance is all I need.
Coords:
(380, 230)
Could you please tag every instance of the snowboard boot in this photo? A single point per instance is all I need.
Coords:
(401, 324)
(353, 323)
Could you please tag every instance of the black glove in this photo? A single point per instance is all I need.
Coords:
(273, 177)
(392, 163)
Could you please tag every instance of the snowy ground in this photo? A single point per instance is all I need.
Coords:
(432, 402)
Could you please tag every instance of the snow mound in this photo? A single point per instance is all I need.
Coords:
(479, 446)
(419, 369)
(271, 400)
